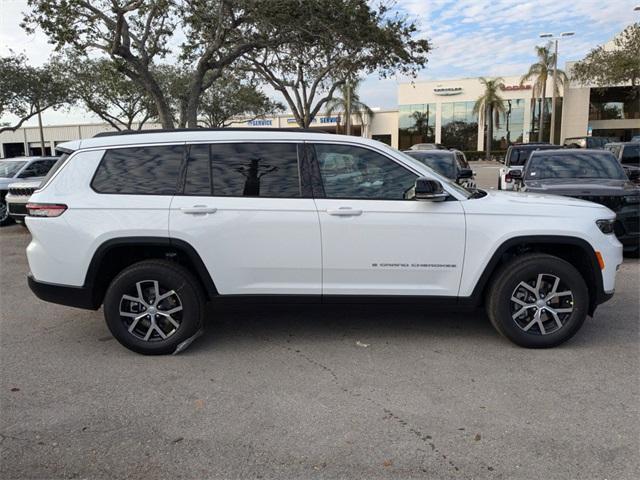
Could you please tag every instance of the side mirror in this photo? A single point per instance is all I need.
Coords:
(465, 173)
(633, 174)
(428, 189)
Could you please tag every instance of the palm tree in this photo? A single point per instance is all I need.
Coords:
(542, 70)
(348, 102)
(490, 104)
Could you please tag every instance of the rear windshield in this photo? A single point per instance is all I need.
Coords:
(55, 168)
(518, 156)
(578, 165)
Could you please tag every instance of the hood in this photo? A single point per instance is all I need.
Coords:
(581, 187)
(26, 184)
(535, 202)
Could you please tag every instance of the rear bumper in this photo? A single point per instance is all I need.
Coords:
(79, 297)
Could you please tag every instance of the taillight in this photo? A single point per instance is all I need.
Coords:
(508, 178)
(45, 209)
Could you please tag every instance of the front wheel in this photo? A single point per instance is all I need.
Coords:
(154, 306)
(538, 301)
(5, 219)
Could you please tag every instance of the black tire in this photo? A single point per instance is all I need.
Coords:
(5, 219)
(170, 277)
(507, 282)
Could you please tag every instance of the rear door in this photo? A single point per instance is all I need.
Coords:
(374, 240)
(245, 209)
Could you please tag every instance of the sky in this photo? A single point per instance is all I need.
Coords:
(469, 38)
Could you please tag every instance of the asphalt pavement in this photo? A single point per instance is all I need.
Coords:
(308, 392)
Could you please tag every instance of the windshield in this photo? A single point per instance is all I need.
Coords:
(421, 166)
(576, 165)
(441, 163)
(518, 156)
(631, 155)
(9, 168)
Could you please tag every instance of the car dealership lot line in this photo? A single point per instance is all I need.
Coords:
(290, 393)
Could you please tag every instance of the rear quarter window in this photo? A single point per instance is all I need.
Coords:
(139, 170)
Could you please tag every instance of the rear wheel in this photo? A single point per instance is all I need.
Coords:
(154, 306)
(538, 301)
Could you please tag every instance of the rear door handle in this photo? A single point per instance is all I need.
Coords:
(344, 212)
(198, 210)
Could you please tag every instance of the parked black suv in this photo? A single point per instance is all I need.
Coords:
(593, 175)
(628, 154)
(450, 163)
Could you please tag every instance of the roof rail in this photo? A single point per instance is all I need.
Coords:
(233, 129)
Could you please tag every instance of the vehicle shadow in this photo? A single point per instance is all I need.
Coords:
(330, 323)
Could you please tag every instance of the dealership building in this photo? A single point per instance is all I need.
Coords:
(438, 111)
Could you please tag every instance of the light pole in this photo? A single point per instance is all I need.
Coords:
(552, 127)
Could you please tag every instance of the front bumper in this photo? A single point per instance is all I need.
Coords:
(79, 297)
(627, 228)
(17, 206)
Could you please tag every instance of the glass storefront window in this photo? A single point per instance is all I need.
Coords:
(510, 128)
(459, 126)
(546, 123)
(417, 124)
(613, 103)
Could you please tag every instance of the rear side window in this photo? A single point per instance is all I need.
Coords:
(243, 170)
(139, 170)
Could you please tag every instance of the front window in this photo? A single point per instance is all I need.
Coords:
(575, 166)
(355, 172)
(441, 163)
(9, 168)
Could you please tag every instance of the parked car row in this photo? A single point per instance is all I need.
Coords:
(29, 171)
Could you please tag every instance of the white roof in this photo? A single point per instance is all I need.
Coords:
(183, 136)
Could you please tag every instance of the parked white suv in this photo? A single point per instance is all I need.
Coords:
(154, 225)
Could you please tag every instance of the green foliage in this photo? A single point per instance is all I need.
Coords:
(542, 70)
(26, 91)
(101, 88)
(621, 65)
(231, 97)
(334, 40)
(490, 104)
(348, 103)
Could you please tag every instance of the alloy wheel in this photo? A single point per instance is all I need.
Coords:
(541, 305)
(151, 312)
(4, 211)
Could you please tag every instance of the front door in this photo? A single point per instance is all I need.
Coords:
(242, 208)
(375, 241)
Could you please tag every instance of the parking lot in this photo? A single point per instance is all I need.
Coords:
(311, 392)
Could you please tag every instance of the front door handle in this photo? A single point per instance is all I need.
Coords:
(198, 210)
(344, 212)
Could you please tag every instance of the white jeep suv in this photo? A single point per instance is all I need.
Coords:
(155, 225)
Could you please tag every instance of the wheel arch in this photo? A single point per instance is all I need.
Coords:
(115, 254)
(577, 251)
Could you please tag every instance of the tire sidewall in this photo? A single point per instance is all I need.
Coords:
(169, 278)
(568, 275)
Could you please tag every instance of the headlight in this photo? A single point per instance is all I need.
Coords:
(606, 226)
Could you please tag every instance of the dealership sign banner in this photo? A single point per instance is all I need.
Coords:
(447, 91)
(509, 88)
